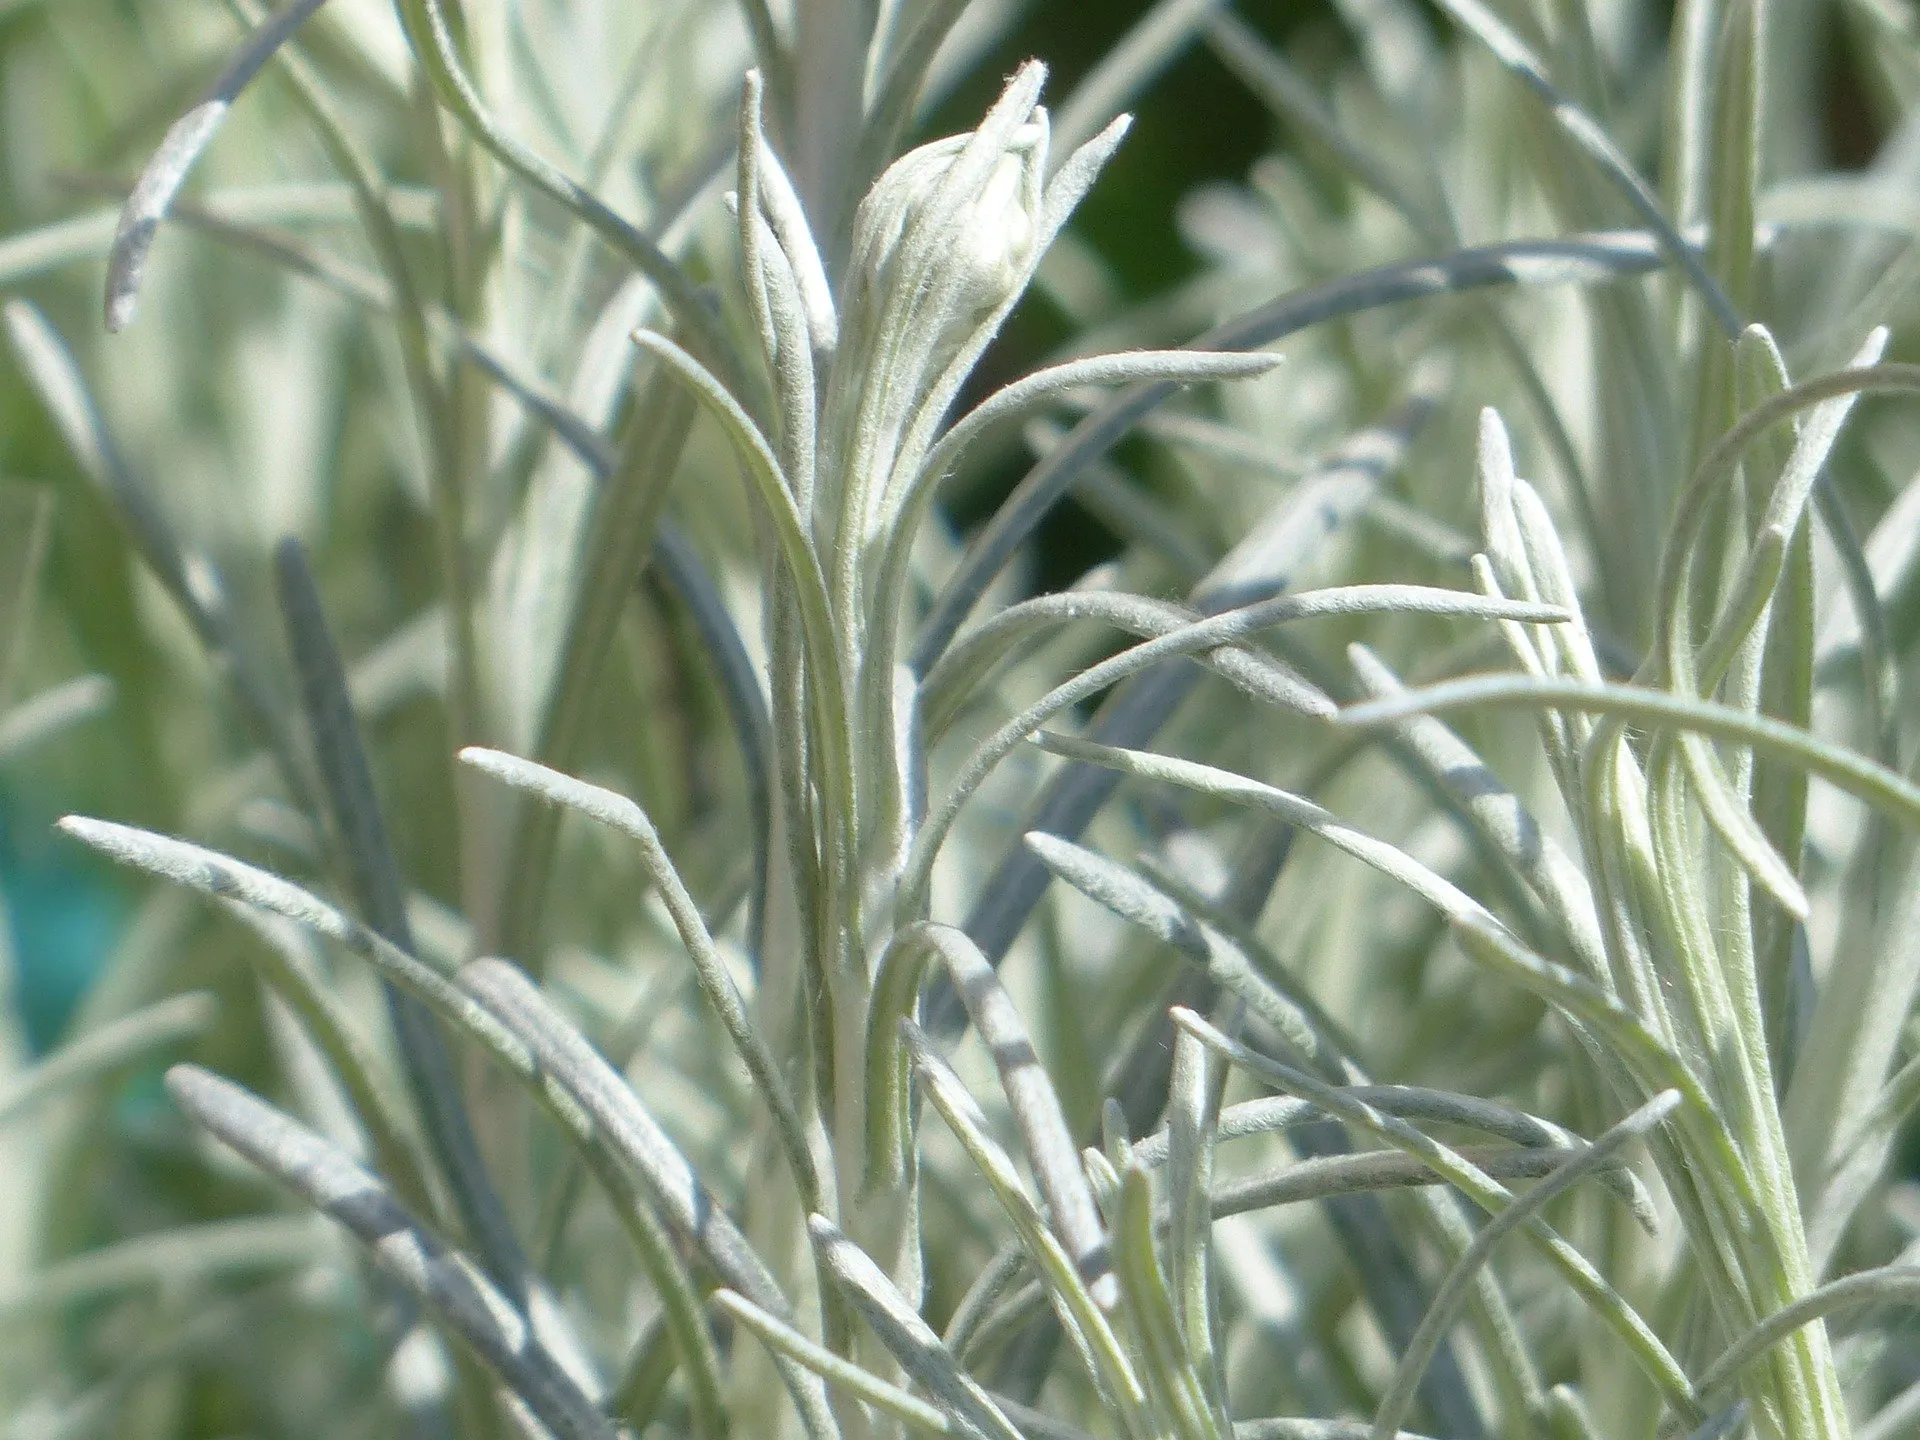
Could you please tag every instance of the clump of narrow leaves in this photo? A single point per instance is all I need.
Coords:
(1420, 941)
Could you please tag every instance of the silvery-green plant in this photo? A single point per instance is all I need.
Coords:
(1618, 752)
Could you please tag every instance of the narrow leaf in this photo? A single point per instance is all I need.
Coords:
(167, 171)
(907, 1337)
(444, 1280)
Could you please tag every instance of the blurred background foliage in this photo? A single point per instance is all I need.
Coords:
(225, 373)
(252, 429)
(258, 404)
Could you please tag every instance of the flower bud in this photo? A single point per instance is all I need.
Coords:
(912, 226)
(943, 244)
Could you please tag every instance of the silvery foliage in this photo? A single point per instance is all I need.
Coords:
(806, 1208)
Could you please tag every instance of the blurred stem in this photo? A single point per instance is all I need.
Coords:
(473, 200)
(465, 265)
(620, 534)
(471, 238)
(829, 72)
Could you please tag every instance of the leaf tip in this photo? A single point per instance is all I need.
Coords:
(126, 265)
(88, 831)
(486, 760)
(188, 1084)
